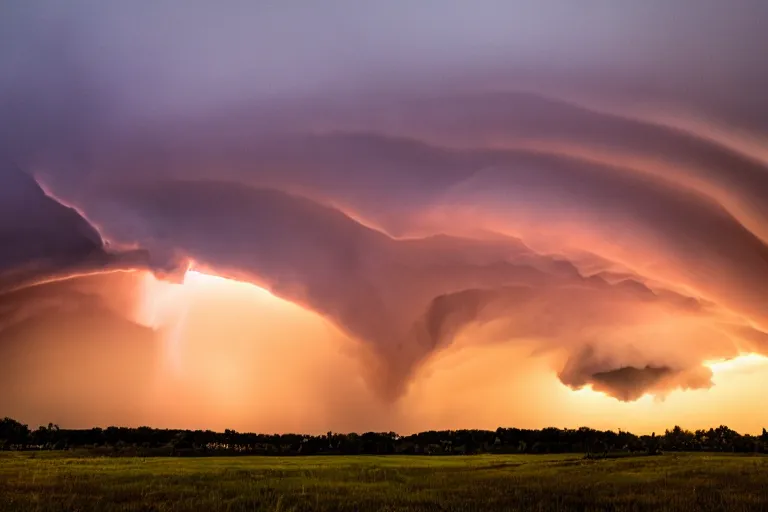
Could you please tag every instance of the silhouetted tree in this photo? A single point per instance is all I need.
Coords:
(594, 443)
(13, 435)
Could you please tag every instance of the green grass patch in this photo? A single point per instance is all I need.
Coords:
(684, 482)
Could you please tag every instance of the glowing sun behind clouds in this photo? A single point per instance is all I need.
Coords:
(236, 356)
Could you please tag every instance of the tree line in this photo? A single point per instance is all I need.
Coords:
(146, 441)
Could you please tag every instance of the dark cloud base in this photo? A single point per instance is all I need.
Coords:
(403, 298)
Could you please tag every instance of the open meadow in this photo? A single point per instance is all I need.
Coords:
(46, 481)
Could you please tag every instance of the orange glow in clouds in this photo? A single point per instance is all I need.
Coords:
(239, 357)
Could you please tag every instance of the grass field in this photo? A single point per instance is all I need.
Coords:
(688, 482)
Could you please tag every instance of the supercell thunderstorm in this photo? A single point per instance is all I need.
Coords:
(614, 216)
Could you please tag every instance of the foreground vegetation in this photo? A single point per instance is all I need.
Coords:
(58, 481)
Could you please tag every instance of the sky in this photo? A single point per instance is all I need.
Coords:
(281, 216)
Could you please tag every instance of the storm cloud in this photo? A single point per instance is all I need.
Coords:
(589, 179)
